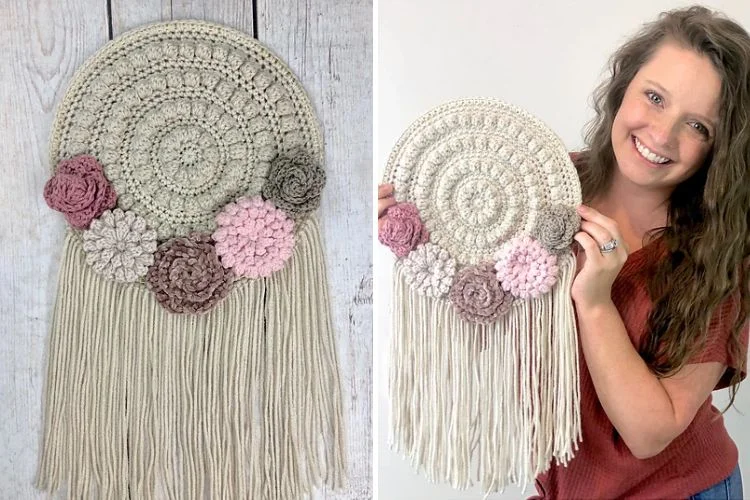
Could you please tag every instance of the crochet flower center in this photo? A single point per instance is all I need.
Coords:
(189, 158)
(478, 201)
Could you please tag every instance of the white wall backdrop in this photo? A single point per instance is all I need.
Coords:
(544, 55)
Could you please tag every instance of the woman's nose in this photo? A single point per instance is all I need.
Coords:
(663, 130)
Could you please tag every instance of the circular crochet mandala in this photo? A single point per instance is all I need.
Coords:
(185, 117)
(481, 172)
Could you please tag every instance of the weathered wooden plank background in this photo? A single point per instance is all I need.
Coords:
(327, 43)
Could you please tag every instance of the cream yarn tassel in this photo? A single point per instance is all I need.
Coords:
(242, 402)
(492, 404)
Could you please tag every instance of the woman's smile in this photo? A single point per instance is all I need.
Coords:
(649, 155)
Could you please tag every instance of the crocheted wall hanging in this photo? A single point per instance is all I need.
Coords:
(484, 358)
(191, 350)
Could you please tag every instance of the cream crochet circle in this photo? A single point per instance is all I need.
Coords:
(481, 171)
(185, 117)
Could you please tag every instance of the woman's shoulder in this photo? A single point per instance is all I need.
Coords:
(578, 158)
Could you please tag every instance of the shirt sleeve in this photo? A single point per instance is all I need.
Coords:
(717, 341)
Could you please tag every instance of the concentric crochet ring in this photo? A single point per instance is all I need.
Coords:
(185, 117)
(481, 171)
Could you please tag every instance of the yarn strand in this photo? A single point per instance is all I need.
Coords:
(484, 404)
(240, 402)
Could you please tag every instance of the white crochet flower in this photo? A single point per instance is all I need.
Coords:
(429, 269)
(119, 246)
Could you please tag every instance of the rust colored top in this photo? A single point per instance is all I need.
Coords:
(700, 457)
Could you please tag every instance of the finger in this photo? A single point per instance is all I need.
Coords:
(589, 245)
(385, 190)
(593, 215)
(381, 221)
(609, 261)
(576, 248)
(599, 233)
(580, 256)
(384, 204)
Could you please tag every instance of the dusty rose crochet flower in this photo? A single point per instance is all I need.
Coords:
(294, 184)
(186, 276)
(254, 237)
(555, 227)
(477, 295)
(402, 229)
(525, 268)
(80, 191)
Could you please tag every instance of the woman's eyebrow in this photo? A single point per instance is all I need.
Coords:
(659, 87)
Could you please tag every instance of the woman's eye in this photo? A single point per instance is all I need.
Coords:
(700, 128)
(654, 97)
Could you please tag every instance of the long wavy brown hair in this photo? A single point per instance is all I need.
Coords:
(706, 237)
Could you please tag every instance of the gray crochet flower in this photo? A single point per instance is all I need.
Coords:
(477, 295)
(187, 276)
(429, 269)
(119, 246)
(555, 227)
(294, 184)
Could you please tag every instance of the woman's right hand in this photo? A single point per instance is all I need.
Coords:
(385, 201)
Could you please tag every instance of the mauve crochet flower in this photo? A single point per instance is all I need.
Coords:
(525, 268)
(80, 191)
(477, 295)
(294, 184)
(186, 276)
(555, 227)
(254, 237)
(403, 229)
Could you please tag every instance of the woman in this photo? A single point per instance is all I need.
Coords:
(662, 252)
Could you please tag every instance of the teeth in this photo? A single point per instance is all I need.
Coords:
(652, 157)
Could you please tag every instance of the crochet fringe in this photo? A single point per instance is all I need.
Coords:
(488, 402)
(241, 402)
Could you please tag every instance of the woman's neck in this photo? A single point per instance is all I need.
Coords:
(636, 210)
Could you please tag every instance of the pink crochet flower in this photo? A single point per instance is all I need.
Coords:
(254, 237)
(525, 268)
(80, 191)
(402, 229)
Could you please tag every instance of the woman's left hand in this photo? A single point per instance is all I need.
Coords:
(596, 270)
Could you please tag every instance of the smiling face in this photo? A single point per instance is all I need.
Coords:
(666, 124)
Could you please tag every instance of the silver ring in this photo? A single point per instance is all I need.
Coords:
(609, 246)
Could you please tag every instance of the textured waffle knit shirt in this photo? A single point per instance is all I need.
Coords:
(603, 466)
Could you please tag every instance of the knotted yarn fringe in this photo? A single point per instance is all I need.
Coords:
(241, 402)
(489, 405)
